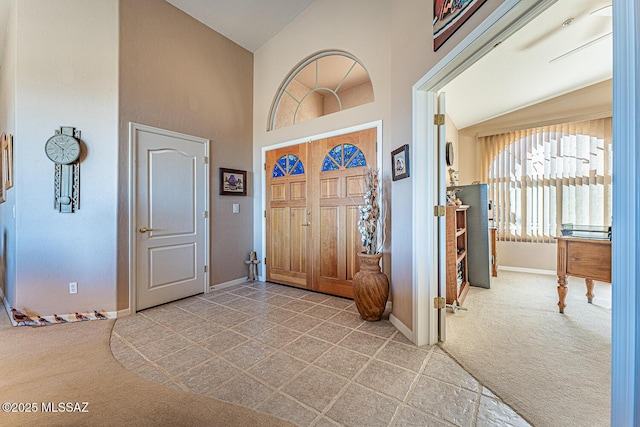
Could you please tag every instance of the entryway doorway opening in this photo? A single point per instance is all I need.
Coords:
(428, 150)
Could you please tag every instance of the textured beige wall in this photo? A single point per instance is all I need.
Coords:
(592, 100)
(393, 40)
(178, 74)
(536, 256)
(349, 98)
(310, 108)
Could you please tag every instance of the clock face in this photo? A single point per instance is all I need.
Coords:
(63, 149)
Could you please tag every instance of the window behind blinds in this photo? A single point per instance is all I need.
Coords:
(543, 177)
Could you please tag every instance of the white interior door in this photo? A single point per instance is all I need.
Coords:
(442, 201)
(171, 219)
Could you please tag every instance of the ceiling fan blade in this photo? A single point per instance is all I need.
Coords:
(581, 47)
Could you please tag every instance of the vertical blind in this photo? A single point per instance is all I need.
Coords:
(543, 177)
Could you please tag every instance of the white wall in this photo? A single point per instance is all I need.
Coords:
(66, 74)
(8, 125)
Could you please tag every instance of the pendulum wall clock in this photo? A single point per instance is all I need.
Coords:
(63, 149)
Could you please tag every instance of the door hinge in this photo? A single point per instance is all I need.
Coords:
(439, 210)
(265, 213)
(265, 166)
(439, 302)
(206, 160)
(206, 214)
(205, 269)
(265, 260)
(438, 119)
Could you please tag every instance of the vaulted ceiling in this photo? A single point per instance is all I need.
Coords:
(249, 23)
(569, 46)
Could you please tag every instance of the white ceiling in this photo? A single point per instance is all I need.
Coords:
(249, 23)
(519, 72)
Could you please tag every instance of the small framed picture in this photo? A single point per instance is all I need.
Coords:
(7, 161)
(400, 162)
(233, 182)
(3, 182)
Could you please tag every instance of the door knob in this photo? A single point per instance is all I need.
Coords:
(144, 229)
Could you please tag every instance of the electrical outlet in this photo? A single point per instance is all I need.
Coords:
(73, 287)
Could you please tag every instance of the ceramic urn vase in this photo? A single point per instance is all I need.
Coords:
(370, 287)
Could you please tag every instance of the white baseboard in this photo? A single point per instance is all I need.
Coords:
(527, 270)
(240, 281)
(404, 330)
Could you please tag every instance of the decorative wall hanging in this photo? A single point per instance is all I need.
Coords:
(253, 266)
(3, 191)
(400, 162)
(233, 182)
(7, 161)
(63, 149)
(449, 15)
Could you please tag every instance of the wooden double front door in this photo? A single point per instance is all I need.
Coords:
(313, 193)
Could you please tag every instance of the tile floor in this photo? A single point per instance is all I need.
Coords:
(304, 357)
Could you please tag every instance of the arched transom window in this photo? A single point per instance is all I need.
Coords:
(324, 83)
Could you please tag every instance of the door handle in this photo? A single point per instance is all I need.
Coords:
(144, 229)
(306, 224)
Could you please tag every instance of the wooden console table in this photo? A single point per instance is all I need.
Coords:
(589, 259)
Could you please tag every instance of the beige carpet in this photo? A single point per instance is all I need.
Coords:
(73, 363)
(551, 368)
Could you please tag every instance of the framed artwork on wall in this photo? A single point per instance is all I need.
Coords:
(3, 191)
(400, 162)
(7, 161)
(449, 15)
(233, 182)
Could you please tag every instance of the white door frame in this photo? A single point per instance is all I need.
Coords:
(133, 241)
(625, 366)
(375, 124)
(625, 371)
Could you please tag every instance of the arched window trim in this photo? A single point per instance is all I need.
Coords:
(344, 163)
(293, 166)
(317, 89)
(292, 75)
